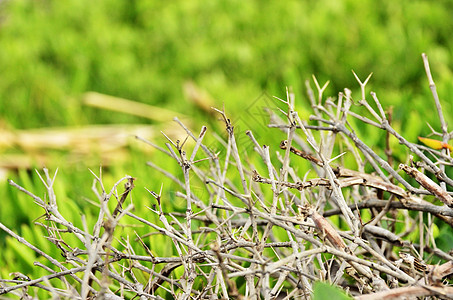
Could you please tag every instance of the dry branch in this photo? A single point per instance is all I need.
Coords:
(268, 235)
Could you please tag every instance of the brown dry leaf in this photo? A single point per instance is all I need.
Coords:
(199, 97)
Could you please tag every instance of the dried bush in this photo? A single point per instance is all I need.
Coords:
(266, 234)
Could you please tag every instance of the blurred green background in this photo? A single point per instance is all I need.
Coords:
(53, 52)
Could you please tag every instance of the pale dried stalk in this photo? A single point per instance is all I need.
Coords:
(264, 227)
(428, 184)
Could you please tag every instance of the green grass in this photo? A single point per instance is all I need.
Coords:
(143, 50)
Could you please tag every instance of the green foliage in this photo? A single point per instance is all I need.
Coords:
(324, 290)
(144, 50)
(445, 239)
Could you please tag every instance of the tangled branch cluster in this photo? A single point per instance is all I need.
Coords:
(267, 235)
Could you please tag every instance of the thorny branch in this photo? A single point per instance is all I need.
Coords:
(263, 229)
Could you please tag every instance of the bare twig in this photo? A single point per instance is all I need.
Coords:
(275, 233)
